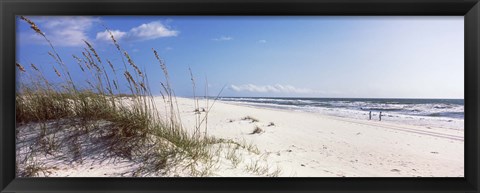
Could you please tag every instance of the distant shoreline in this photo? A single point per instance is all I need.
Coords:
(422, 112)
(337, 97)
(399, 98)
(312, 144)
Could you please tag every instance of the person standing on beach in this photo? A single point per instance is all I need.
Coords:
(380, 116)
(370, 115)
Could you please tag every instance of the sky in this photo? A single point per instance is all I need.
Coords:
(267, 56)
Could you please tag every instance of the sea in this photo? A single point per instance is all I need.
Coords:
(445, 113)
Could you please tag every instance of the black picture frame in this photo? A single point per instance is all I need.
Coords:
(470, 9)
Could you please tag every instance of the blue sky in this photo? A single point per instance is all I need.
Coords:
(315, 56)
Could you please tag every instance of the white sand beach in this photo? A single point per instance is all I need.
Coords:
(298, 144)
(309, 144)
(359, 100)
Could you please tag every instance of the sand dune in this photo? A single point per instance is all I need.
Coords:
(290, 143)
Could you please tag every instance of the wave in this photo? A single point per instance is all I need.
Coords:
(448, 108)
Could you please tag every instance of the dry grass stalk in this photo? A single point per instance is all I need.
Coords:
(133, 124)
(20, 67)
(33, 25)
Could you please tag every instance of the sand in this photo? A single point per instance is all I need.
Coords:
(310, 144)
(298, 144)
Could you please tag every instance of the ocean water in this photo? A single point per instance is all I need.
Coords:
(447, 113)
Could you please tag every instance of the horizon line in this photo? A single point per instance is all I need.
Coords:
(319, 97)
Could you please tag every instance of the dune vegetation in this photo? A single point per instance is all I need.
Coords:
(67, 116)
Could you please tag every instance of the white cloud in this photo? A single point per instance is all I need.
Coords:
(277, 88)
(146, 31)
(105, 35)
(223, 38)
(262, 41)
(151, 30)
(72, 30)
(61, 30)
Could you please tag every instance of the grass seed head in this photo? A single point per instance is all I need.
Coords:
(93, 51)
(33, 25)
(20, 67)
(34, 67)
(56, 72)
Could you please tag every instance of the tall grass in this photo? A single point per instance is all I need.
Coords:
(136, 127)
(134, 118)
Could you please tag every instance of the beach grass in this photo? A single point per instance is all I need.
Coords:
(250, 118)
(132, 117)
(257, 130)
(130, 123)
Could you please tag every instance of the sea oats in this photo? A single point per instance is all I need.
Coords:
(33, 25)
(93, 51)
(109, 91)
(165, 88)
(143, 86)
(79, 62)
(114, 40)
(86, 62)
(20, 67)
(54, 57)
(81, 68)
(56, 72)
(115, 84)
(130, 61)
(111, 65)
(76, 58)
(162, 64)
(134, 124)
(129, 77)
(91, 61)
(89, 83)
(34, 67)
